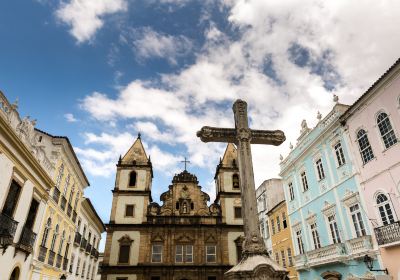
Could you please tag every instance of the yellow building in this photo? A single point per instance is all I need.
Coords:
(54, 244)
(282, 247)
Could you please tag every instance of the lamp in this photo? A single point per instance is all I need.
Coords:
(63, 277)
(369, 262)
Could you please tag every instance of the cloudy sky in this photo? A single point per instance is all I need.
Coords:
(100, 71)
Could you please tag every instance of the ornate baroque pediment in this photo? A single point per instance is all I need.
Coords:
(350, 198)
(329, 209)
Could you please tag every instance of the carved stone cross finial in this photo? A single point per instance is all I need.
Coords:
(243, 136)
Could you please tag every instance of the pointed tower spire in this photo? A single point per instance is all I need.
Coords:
(136, 153)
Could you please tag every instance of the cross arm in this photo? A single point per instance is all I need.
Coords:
(269, 137)
(216, 134)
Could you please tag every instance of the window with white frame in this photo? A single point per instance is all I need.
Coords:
(386, 130)
(53, 241)
(277, 257)
(340, 159)
(283, 257)
(156, 253)
(289, 256)
(60, 175)
(273, 226)
(61, 242)
(385, 209)
(211, 253)
(304, 180)
(291, 191)
(66, 185)
(284, 221)
(364, 145)
(315, 235)
(262, 228)
(320, 169)
(300, 243)
(334, 230)
(278, 223)
(357, 220)
(46, 232)
(184, 254)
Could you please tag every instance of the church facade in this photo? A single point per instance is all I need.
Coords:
(183, 237)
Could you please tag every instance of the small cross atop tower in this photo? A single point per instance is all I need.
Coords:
(185, 161)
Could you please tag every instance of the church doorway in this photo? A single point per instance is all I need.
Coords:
(15, 274)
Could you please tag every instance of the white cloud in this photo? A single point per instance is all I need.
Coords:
(70, 117)
(347, 44)
(148, 43)
(86, 16)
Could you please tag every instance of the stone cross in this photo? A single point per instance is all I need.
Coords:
(185, 161)
(243, 136)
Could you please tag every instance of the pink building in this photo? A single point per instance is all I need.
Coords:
(373, 127)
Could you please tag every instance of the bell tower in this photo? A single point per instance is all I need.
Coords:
(228, 188)
(132, 191)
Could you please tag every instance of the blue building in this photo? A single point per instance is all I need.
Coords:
(330, 230)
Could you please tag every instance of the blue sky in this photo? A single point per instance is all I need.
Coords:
(101, 71)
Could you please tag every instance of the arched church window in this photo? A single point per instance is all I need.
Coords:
(177, 206)
(132, 179)
(235, 181)
(386, 130)
(385, 209)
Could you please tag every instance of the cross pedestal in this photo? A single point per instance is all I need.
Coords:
(255, 263)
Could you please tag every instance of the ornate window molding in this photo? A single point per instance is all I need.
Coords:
(329, 209)
(350, 198)
(311, 218)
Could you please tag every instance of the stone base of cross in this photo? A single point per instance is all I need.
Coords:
(255, 263)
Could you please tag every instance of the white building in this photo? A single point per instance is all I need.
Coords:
(24, 186)
(269, 194)
(84, 261)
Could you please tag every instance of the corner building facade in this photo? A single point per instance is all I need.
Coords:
(183, 238)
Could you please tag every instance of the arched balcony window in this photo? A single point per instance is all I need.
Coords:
(46, 232)
(385, 209)
(386, 130)
(53, 241)
(364, 145)
(132, 179)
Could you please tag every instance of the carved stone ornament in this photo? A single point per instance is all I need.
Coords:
(350, 198)
(125, 239)
(296, 226)
(311, 218)
(329, 209)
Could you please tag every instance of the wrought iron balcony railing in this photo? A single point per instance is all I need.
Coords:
(7, 230)
(27, 240)
(83, 244)
(69, 211)
(56, 194)
(88, 248)
(59, 261)
(78, 238)
(42, 253)
(74, 216)
(50, 260)
(65, 264)
(63, 202)
(385, 235)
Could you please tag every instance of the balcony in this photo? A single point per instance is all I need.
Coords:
(74, 216)
(42, 253)
(300, 261)
(78, 238)
(69, 211)
(83, 244)
(63, 203)
(56, 194)
(360, 246)
(329, 254)
(65, 264)
(388, 234)
(88, 248)
(50, 260)
(59, 261)
(7, 230)
(27, 240)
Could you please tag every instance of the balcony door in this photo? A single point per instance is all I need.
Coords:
(12, 199)
(30, 220)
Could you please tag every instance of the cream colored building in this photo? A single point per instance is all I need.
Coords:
(57, 232)
(24, 187)
(84, 260)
